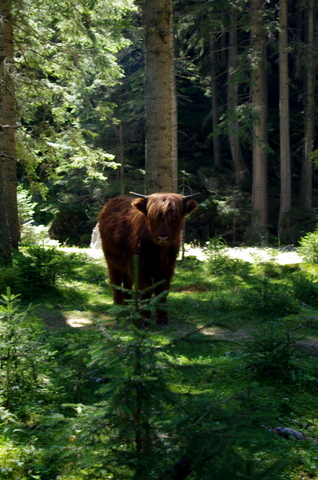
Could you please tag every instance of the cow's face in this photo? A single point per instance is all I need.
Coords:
(165, 214)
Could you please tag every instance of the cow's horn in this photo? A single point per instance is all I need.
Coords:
(138, 195)
(192, 195)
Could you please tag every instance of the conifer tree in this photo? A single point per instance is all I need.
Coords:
(57, 60)
(305, 195)
(9, 217)
(240, 167)
(259, 213)
(285, 166)
(160, 97)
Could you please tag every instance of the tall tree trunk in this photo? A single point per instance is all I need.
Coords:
(241, 171)
(7, 126)
(5, 241)
(285, 169)
(160, 94)
(305, 197)
(215, 105)
(259, 211)
(122, 157)
(121, 146)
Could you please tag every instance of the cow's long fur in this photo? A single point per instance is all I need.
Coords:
(150, 228)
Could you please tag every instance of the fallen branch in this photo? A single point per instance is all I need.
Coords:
(287, 432)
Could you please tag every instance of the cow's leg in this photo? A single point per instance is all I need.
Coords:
(162, 313)
(115, 278)
(145, 296)
(126, 283)
(145, 282)
(146, 313)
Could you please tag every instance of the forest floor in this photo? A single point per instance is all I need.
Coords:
(78, 319)
(284, 256)
(227, 320)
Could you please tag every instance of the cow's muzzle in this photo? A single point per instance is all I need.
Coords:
(163, 240)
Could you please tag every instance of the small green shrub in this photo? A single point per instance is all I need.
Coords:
(134, 398)
(24, 355)
(10, 277)
(31, 233)
(26, 205)
(39, 266)
(219, 263)
(308, 247)
(273, 355)
(218, 260)
(305, 289)
(269, 298)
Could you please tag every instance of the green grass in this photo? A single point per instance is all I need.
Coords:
(242, 337)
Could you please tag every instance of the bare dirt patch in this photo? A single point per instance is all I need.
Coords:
(193, 288)
(59, 319)
(239, 335)
(310, 343)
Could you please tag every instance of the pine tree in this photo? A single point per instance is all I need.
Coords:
(259, 215)
(285, 167)
(305, 195)
(160, 97)
(9, 221)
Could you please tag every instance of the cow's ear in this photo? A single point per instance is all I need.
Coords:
(141, 205)
(189, 205)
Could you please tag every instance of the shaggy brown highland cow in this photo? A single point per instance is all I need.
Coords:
(150, 227)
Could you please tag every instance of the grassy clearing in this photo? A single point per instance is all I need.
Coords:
(240, 353)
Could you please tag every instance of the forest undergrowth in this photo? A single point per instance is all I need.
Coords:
(227, 390)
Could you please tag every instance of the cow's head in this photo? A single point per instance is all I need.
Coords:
(165, 214)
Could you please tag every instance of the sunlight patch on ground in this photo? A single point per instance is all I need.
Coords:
(77, 319)
(226, 334)
(92, 252)
(255, 254)
(250, 254)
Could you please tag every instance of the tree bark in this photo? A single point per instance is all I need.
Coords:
(285, 170)
(5, 241)
(259, 210)
(240, 168)
(7, 127)
(215, 106)
(122, 157)
(160, 96)
(305, 197)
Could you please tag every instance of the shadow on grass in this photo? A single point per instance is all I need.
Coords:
(70, 306)
(224, 286)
